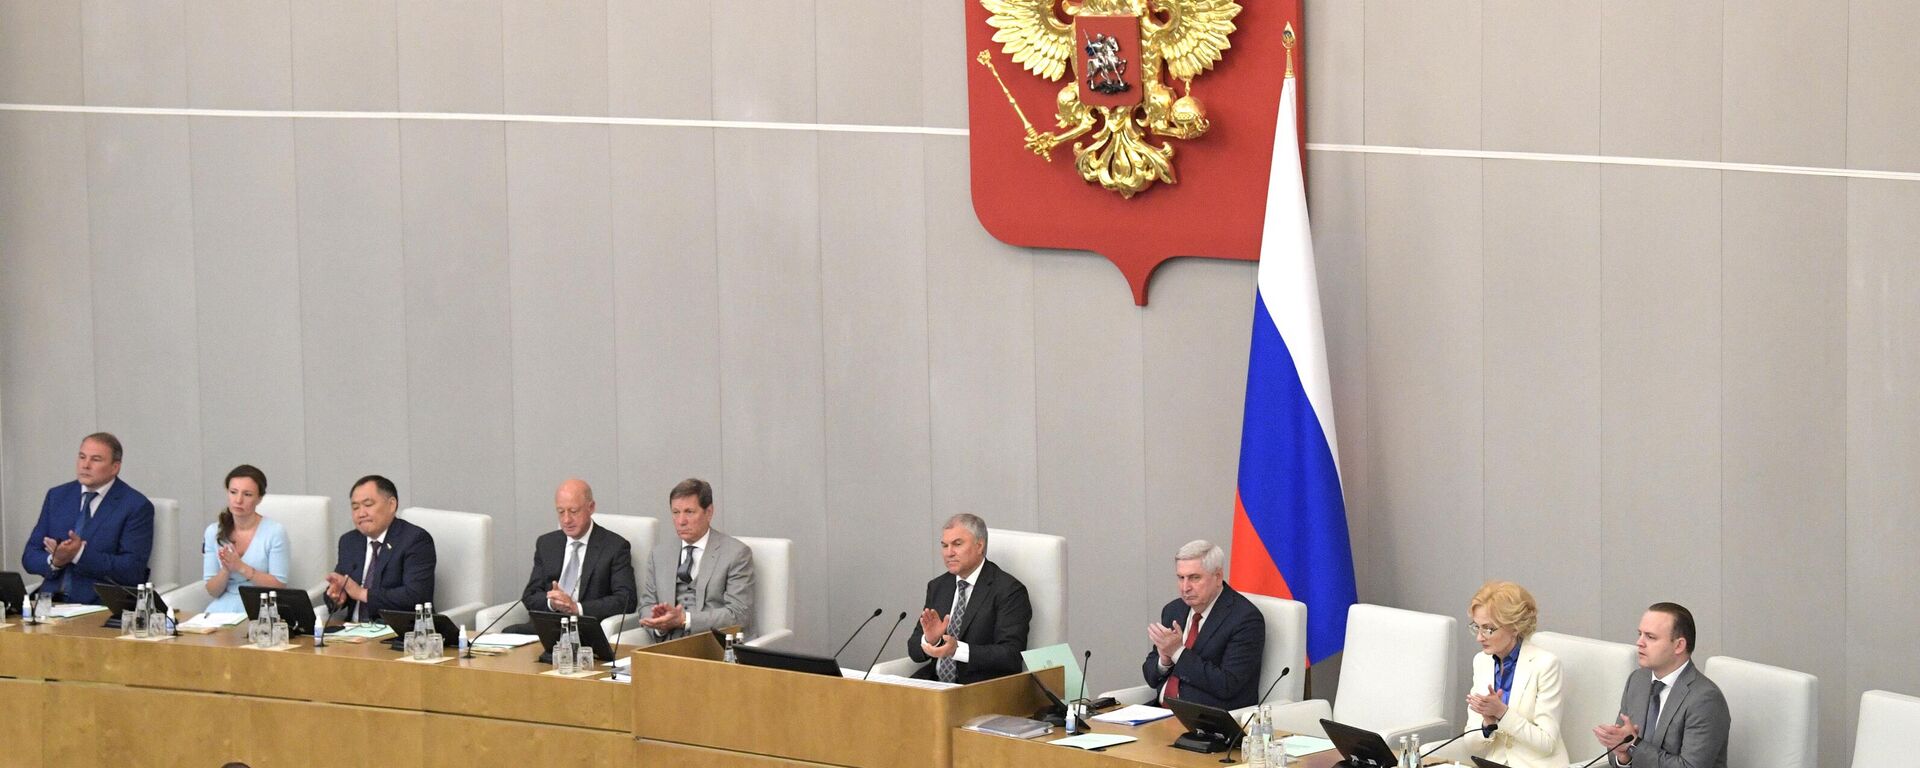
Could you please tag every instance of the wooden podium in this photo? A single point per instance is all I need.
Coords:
(692, 709)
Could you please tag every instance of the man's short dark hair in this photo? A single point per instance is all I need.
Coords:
(107, 439)
(695, 487)
(383, 485)
(1683, 627)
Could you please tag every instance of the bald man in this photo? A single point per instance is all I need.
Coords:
(581, 569)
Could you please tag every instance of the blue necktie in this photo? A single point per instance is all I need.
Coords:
(79, 527)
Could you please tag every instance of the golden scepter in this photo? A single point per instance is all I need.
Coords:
(986, 59)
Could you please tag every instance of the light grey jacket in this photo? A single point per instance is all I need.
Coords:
(1692, 731)
(722, 589)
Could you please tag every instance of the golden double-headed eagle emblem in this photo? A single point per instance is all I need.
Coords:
(1125, 55)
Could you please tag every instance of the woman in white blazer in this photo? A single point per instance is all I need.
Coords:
(1516, 686)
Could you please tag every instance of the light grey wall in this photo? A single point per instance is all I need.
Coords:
(1614, 384)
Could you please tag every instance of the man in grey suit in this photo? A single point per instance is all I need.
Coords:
(713, 582)
(581, 569)
(1671, 715)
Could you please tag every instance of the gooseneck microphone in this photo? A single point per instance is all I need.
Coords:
(1609, 750)
(856, 632)
(883, 645)
(1284, 671)
(480, 634)
(1488, 729)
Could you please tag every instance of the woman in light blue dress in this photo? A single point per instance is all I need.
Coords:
(243, 549)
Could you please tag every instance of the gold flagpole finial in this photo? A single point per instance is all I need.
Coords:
(1286, 39)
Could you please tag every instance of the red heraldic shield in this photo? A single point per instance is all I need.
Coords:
(1215, 208)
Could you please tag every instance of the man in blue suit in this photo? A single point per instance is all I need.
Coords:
(386, 564)
(1208, 644)
(95, 529)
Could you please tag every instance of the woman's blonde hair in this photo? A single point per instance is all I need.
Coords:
(1512, 606)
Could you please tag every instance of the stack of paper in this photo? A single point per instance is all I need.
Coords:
(506, 640)
(1134, 714)
(1094, 740)
(360, 633)
(70, 610)
(211, 622)
(1301, 746)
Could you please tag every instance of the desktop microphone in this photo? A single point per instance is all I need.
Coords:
(482, 633)
(1609, 750)
(1463, 734)
(883, 645)
(619, 629)
(1076, 709)
(1284, 671)
(856, 632)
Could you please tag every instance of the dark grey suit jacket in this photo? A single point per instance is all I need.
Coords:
(722, 587)
(606, 578)
(1693, 725)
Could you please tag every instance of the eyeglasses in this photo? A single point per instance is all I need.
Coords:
(1479, 631)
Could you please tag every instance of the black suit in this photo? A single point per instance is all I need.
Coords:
(401, 577)
(606, 577)
(994, 627)
(1222, 669)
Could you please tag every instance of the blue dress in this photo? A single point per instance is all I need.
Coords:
(268, 552)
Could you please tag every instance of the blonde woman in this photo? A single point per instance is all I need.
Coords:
(1515, 699)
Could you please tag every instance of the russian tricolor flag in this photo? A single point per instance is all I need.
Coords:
(1289, 519)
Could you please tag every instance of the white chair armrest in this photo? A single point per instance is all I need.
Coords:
(616, 625)
(165, 588)
(189, 600)
(462, 615)
(33, 583)
(317, 597)
(636, 636)
(1139, 694)
(901, 667)
(488, 616)
(775, 639)
(1430, 732)
(1303, 717)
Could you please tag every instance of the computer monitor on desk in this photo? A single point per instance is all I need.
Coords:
(296, 609)
(792, 662)
(1359, 747)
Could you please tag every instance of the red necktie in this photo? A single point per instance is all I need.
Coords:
(1193, 633)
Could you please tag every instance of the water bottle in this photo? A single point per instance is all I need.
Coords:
(1403, 751)
(1255, 749)
(26, 609)
(141, 610)
(1414, 761)
(463, 642)
(320, 631)
(727, 655)
(563, 651)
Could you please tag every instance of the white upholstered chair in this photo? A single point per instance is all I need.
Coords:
(1039, 561)
(1776, 721)
(463, 553)
(1396, 677)
(163, 563)
(310, 549)
(1883, 736)
(1285, 647)
(773, 598)
(1592, 675)
(639, 533)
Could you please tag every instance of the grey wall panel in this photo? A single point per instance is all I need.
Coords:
(1660, 448)
(459, 355)
(1541, 77)
(247, 282)
(1416, 95)
(1425, 398)
(136, 53)
(353, 306)
(1543, 385)
(346, 55)
(1089, 403)
(943, 63)
(666, 314)
(1194, 339)
(239, 54)
(451, 55)
(1660, 79)
(772, 435)
(40, 57)
(1331, 64)
(1883, 436)
(46, 318)
(660, 59)
(556, 57)
(980, 355)
(1784, 102)
(1881, 101)
(764, 61)
(1337, 203)
(1784, 388)
(866, 52)
(560, 262)
(879, 463)
(146, 350)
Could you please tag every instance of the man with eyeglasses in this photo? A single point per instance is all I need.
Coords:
(1671, 715)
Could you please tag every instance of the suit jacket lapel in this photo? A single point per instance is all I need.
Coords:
(1522, 673)
(709, 562)
(1675, 702)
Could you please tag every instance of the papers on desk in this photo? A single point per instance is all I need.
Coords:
(70, 610)
(1008, 725)
(1134, 714)
(360, 633)
(1301, 746)
(211, 622)
(506, 640)
(910, 682)
(1094, 740)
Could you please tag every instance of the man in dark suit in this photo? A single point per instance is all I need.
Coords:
(97, 529)
(580, 569)
(1671, 715)
(975, 622)
(1208, 644)
(713, 578)
(386, 564)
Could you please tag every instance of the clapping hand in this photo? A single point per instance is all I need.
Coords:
(1166, 640)
(1619, 738)
(1489, 707)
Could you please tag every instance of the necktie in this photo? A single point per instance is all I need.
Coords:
(1193, 633)
(570, 578)
(373, 556)
(79, 527)
(947, 668)
(1653, 709)
(685, 574)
